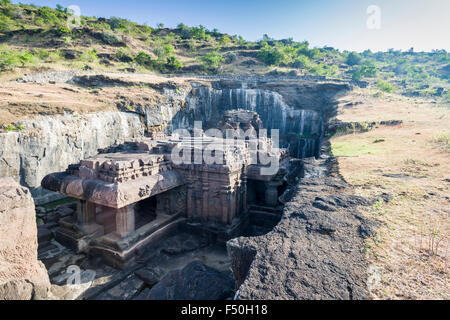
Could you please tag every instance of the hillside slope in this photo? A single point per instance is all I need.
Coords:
(45, 38)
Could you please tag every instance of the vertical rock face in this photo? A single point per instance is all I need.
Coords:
(50, 144)
(314, 252)
(297, 110)
(22, 276)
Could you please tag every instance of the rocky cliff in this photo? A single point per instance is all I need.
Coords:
(49, 144)
(44, 144)
(314, 252)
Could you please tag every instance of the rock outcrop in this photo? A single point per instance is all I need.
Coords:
(50, 144)
(22, 276)
(315, 250)
(196, 281)
(298, 108)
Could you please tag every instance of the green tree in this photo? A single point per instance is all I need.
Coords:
(212, 60)
(224, 40)
(271, 55)
(301, 62)
(144, 60)
(353, 58)
(385, 86)
(173, 63)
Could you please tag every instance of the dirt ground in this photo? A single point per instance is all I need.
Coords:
(411, 162)
(20, 101)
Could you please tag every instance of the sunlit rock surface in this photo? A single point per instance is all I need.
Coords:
(22, 276)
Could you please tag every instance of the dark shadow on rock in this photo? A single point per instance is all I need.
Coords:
(196, 281)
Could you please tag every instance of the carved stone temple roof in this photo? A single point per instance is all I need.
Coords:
(115, 180)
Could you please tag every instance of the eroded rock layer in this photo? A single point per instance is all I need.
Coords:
(315, 250)
(298, 108)
(22, 276)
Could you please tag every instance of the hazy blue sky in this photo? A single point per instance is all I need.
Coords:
(422, 24)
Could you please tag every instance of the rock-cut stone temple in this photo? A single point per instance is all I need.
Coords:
(131, 198)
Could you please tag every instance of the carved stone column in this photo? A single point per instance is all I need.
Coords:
(271, 195)
(189, 198)
(85, 212)
(125, 223)
(86, 219)
(225, 199)
(205, 196)
(244, 193)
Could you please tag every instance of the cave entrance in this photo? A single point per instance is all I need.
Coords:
(145, 211)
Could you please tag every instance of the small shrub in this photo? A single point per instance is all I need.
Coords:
(63, 30)
(110, 38)
(124, 55)
(6, 23)
(144, 59)
(41, 53)
(444, 140)
(358, 72)
(10, 58)
(224, 40)
(198, 33)
(230, 57)
(67, 40)
(163, 50)
(117, 23)
(173, 63)
(385, 86)
(271, 55)
(89, 56)
(301, 62)
(353, 58)
(48, 16)
(212, 60)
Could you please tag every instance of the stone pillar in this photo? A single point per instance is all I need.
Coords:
(125, 220)
(244, 193)
(85, 212)
(189, 198)
(225, 200)
(205, 205)
(163, 205)
(271, 195)
(205, 197)
(238, 200)
(86, 219)
(233, 204)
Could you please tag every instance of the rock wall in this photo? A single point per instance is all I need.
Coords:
(298, 109)
(22, 276)
(50, 144)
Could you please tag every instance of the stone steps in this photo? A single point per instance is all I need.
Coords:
(278, 210)
(264, 216)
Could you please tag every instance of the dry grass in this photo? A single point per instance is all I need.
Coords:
(410, 251)
(19, 101)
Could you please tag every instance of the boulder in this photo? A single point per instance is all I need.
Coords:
(196, 281)
(22, 276)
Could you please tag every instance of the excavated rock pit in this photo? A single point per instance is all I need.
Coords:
(314, 252)
(307, 247)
